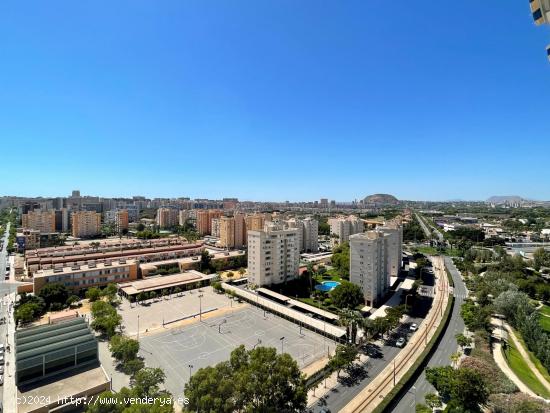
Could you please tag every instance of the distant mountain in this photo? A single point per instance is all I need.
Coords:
(381, 199)
(503, 199)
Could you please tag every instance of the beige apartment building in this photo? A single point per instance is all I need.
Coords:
(308, 233)
(43, 221)
(342, 228)
(204, 220)
(215, 227)
(232, 231)
(273, 254)
(85, 224)
(121, 220)
(78, 277)
(368, 265)
(394, 243)
(167, 218)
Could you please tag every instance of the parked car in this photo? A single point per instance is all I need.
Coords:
(1, 379)
(400, 342)
(413, 327)
(2, 361)
(1, 369)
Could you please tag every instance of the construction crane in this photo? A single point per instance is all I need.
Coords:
(540, 10)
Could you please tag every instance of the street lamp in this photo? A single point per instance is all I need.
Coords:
(257, 344)
(282, 344)
(138, 329)
(414, 388)
(200, 307)
(190, 370)
(220, 325)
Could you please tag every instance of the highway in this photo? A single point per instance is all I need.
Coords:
(441, 356)
(427, 230)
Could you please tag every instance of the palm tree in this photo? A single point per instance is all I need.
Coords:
(351, 319)
(454, 359)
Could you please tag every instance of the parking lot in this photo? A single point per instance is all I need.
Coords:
(211, 341)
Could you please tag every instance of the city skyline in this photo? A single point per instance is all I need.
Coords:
(195, 99)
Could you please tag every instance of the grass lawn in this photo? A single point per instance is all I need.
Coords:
(518, 365)
(545, 309)
(545, 323)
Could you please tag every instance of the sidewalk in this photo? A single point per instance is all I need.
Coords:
(501, 361)
(373, 394)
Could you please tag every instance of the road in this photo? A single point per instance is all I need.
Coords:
(447, 346)
(427, 231)
(379, 357)
(5, 288)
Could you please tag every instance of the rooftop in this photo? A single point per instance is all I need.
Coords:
(163, 281)
(81, 268)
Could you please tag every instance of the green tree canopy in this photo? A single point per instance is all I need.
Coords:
(347, 295)
(123, 348)
(93, 294)
(258, 380)
(54, 294)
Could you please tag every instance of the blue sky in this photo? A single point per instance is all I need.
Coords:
(274, 100)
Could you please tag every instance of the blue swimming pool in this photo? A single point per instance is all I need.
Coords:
(327, 286)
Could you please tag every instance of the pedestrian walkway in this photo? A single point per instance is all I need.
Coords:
(524, 355)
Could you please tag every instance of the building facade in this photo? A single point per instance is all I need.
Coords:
(394, 242)
(43, 221)
(85, 224)
(273, 254)
(368, 265)
(167, 218)
(204, 220)
(79, 277)
(342, 228)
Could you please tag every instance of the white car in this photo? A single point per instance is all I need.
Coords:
(1, 380)
(400, 342)
(413, 327)
(1, 369)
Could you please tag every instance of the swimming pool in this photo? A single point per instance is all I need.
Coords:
(327, 286)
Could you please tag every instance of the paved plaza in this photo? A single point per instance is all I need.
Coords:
(186, 304)
(212, 340)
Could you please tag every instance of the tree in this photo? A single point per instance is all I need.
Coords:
(455, 357)
(468, 389)
(347, 295)
(340, 259)
(462, 340)
(343, 357)
(432, 400)
(257, 380)
(93, 294)
(123, 348)
(106, 320)
(422, 408)
(205, 261)
(229, 274)
(241, 271)
(54, 294)
(73, 299)
(541, 258)
(147, 382)
(140, 227)
(110, 291)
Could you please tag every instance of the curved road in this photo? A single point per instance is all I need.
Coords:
(441, 356)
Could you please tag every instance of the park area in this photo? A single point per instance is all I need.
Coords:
(211, 341)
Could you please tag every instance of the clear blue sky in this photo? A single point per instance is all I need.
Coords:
(274, 100)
